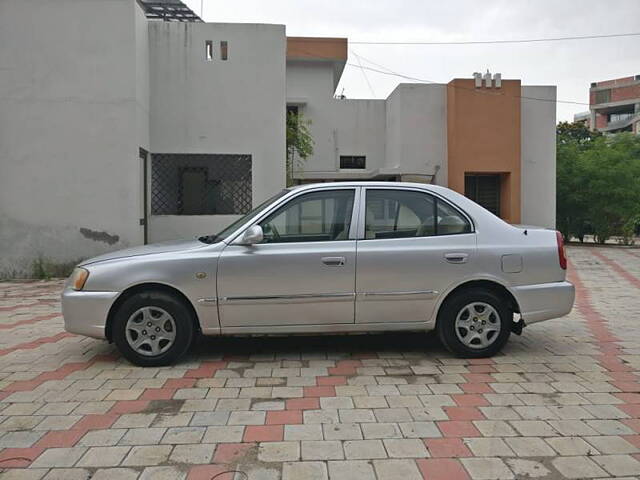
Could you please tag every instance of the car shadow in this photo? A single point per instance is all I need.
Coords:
(349, 345)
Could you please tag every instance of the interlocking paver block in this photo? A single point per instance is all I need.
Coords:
(381, 430)
(279, 451)
(304, 471)
(113, 473)
(578, 467)
(59, 457)
(487, 469)
(342, 431)
(322, 450)
(216, 434)
(419, 430)
(351, 470)
(395, 469)
(442, 469)
(619, 465)
(103, 456)
(530, 447)
(364, 449)
(523, 468)
(405, 448)
(193, 454)
(488, 447)
(162, 473)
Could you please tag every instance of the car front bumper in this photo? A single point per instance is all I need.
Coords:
(85, 312)
(544, 301)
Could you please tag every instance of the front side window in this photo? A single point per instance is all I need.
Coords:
(405, 213)
(311, 217)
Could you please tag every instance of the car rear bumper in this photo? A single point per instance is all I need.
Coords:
(544, 301)
(85, 313)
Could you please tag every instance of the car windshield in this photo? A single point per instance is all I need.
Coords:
(253, 213)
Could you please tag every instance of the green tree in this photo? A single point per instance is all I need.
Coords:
(598, 183)
(575, 132)
(612, 167)
(299, 144)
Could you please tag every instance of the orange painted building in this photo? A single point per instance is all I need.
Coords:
(483, 139)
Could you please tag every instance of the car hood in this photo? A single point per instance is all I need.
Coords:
(163, 247)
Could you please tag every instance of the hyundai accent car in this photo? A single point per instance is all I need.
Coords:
(329, 258)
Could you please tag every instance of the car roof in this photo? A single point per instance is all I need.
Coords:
(361, 183)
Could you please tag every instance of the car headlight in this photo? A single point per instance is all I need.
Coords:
(79, 278)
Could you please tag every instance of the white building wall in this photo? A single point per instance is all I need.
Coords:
(69, 173)
(142, 78)
(404, 134)
(538, 156)
(359, 127)
(235, 106)
(417, 131)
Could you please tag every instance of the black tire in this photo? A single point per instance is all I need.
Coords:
(175, 307)
(455, 304)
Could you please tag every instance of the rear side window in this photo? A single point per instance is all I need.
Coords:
(450, 220)
(405, 213)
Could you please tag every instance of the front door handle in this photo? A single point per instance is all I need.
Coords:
(333, 261)
(456, 257)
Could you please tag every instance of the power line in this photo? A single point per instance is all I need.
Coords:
(485, 42)
(366, 77)
(388, 71)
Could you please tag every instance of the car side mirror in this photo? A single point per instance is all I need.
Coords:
(252, 235)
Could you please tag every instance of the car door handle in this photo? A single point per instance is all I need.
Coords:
(456, 257)
(333, 261)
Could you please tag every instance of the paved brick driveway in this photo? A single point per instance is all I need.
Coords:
(563, 401)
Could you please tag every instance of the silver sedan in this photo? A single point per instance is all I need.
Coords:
(329, 258)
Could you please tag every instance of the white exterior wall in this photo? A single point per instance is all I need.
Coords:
(538, 156)
(68, 148)
(235, 106)
(417, 130)
(404, 134)
(338, 127)
(142, 80)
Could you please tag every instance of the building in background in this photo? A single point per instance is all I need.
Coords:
(614, 105)
(126, 122)
(489, 138)
(584, 117)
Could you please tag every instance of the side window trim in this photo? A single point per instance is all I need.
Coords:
(354, 212)
(437, 198)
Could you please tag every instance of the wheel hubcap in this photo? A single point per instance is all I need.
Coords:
(467, 319)
(155, 319)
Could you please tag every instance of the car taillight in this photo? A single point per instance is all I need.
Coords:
(562, 258)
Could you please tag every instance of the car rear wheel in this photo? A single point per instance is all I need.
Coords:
(474, 323)
(153, 328)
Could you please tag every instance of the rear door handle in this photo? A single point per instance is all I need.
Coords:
(333, 261)
(455, 257)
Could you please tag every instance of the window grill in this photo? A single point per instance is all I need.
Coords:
(484, 190)
(200, 184)
(353, 161)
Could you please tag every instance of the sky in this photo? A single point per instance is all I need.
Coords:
(570, 65)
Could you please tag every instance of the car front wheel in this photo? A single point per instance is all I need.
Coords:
(153, 329)
(474, 323)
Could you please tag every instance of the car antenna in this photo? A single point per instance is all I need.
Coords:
(525, 231)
